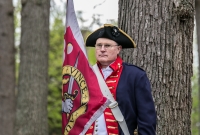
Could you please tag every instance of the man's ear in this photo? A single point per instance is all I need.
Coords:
(120, 47)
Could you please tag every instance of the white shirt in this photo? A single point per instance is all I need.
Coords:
(100, 124)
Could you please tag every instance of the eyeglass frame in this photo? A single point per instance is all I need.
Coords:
(106, 46)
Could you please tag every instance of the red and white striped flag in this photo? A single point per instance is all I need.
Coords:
(82, 100)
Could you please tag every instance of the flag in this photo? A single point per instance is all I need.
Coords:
(82, 100)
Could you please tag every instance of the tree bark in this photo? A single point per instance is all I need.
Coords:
(32, 89)
(197, 8)
(7, 68)
(163, 32)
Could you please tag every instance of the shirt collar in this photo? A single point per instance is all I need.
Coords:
(115, 65)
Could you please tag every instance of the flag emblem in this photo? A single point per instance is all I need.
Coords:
(71, 73)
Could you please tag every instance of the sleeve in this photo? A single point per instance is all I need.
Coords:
(146, 114)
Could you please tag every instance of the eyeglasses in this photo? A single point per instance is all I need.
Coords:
(106, 46)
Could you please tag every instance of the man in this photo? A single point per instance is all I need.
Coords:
(128, 84)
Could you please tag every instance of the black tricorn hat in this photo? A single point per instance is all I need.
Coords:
(111, 32)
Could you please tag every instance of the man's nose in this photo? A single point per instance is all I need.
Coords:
(102, 48)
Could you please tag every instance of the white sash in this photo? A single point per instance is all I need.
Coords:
(114, 105)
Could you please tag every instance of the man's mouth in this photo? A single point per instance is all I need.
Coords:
(102, 55)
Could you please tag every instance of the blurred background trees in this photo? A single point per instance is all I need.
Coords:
(7, 68)
(32, 90)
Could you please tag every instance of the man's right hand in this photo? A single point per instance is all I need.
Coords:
(67, 105)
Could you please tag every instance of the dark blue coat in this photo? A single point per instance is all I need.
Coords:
(135, 100)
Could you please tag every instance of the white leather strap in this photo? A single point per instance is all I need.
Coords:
(114, 105)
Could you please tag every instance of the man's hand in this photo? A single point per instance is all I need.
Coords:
(67, 105)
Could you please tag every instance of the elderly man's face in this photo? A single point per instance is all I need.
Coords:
(106, 51)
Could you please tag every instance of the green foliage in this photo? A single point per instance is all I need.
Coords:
(17, 23)
(195, 112)
(55, 78)
(91, 55)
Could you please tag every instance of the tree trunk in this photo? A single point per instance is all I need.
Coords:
(7, 68)
(197, 8)
(163, 32)
(32, 89)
